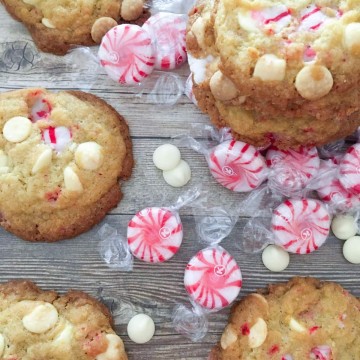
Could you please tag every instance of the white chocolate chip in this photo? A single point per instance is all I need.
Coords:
(141, 328)
(72, 181)
(313, 82)
(166, 157)
(222, 87)
(131, 9)
(258, 333)
(247, 23)
(48, 23)
(17, 129)
(270, 68)
(351, 250)
(296, 326)
(344, 226)
(43, 160)
(89, 156)
(4, 170)
(114, 350)
(2, 344)
(198, 29)
(352, 38)
(275, 258)
(179, 176)
(31, 2)
(41, 319)
(3, 159)
(228, 337)
(66, 336)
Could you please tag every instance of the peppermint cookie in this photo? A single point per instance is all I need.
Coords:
(302, 319)
(61, 156)
(56, 25)
(36, 324)
(283, 73)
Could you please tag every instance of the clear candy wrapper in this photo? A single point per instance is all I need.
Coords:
(173, 6)
(212, 277)
(155, 234)
(114, 250)
(233, 164)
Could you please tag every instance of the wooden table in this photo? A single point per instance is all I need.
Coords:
(153, 289)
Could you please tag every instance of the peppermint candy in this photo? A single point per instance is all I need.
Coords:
(274, 18)
(349, 170)
(213, 278)
(189, 90)
(59, 138)
(154, 234)
(237, 166)
(312, 18)
(322, 352)
(40, 110)
(168, 33)
(300, 226)
(127, 55)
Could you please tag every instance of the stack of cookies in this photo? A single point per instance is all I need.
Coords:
(283, 73)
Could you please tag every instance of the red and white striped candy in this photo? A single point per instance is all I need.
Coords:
(287, 357)
(154, 234)
(300, 226)
(57, 137)
(275, 18)
(189, 90)
(127, 55)
(304, 162)
(322, 352)
(237, 166)
(349, 170)
(312, 18)
(168, 33)
(40, 110)
(213, 278)
(333, 193)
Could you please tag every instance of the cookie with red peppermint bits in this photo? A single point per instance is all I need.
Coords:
(304, 318)
(37, 324)
(58, 25)
(282, 73)
(61, 156)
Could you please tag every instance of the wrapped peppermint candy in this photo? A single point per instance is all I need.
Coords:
(233, 164)
(155, 234)
(212, 278)
(298, 225)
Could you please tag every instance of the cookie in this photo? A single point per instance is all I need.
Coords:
(283, 74)
(37, 324)
(302, 319)
(57, 25)
(61, 156)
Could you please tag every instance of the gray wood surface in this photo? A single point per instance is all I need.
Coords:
(153, 289)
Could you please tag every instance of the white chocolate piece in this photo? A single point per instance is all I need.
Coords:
(4, 170)
(179, 176)
(66, 336)
(270, 68)
(17, 129)
(344, 226)
(275, 258)
(352, 38)
(222, 87)
(2, 344)
(166, 157)
(247, 23)
(351, 250)
(72, 181)
(114, 349)
(43, 161)
(198, 29)
(88, 155)
(41, 319)
(141, 328)
(3, 159)
(296, 326)
(313, 82)
(31, 2)
(47, 23)
(228, 337)
(258, 333)
(131, 9)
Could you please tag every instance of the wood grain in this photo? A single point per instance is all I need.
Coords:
(153, 289)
